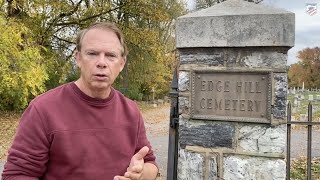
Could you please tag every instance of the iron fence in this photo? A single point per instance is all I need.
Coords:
(309, 124)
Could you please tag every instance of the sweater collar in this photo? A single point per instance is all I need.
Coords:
(91, 100)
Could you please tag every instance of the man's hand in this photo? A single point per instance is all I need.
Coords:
(135, 169)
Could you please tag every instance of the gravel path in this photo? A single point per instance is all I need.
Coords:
(157, 125)
(1, 168)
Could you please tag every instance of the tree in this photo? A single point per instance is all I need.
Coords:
(22, 73)
(202, 4)
(147, 25)
(307, 70)
(295, 74)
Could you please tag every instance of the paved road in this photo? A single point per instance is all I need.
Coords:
(299, 143)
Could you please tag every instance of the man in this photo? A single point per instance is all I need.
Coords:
(84, 130)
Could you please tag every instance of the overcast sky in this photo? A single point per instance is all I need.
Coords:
(307, 27)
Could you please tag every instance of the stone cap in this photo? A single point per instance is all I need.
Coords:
(236, 23)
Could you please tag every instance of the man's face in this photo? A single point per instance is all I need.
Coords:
(99, 59)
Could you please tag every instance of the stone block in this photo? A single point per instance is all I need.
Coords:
(279, 110)
(183, 81)
(262, 139)
(249, 57)
(213, 168)
(211, 134)
(253, 168)
(190, 165)
(236, 23)
(184, 105)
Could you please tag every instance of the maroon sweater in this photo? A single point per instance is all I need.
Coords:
(65, 134)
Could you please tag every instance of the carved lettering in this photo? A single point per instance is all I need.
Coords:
(210, 86)
(227, 104)
(209, 103)
(250, 105)
(242, 102)
(231, 94)
(230, 104)
(218, 105)
(239, 87)
(235, 102)
(202, 103)
(227, 86)
(203, 85)
(219, 86)
(258, 87)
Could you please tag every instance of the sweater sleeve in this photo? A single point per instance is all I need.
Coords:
(28, 154)
(143, 141)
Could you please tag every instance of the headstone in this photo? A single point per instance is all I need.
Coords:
(303, 117)
(232, 91)
(318, 97)
(298, 96)
(295, 101)
(310, 97)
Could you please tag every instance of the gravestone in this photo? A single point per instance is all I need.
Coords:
(295, 101)
(232, 91)
(310, 97)
(303, 117)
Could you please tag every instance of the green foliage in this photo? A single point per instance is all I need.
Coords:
(147, 25)
(22, 73)
(299, 169)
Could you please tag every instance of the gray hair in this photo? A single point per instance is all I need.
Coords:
(104, 26)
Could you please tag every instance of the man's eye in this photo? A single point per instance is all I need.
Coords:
(92, 53)
(111, 55)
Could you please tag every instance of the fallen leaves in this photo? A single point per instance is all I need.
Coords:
(8, 126)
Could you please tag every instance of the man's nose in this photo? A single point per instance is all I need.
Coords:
(102, 63)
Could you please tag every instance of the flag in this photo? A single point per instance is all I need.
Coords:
(311, 9)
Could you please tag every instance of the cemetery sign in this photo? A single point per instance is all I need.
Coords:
(231, 95)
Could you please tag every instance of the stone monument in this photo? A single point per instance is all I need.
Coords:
(232, 91)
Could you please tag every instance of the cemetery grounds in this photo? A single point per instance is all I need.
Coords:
(299, 100)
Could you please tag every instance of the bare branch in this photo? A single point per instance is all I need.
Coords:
(87, 18)
(64, 40)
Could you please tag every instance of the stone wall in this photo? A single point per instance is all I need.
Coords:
(240, 42)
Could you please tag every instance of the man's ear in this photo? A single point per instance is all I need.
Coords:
(123, 63)
(77, 57)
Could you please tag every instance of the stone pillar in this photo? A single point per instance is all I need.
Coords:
(232, 91)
